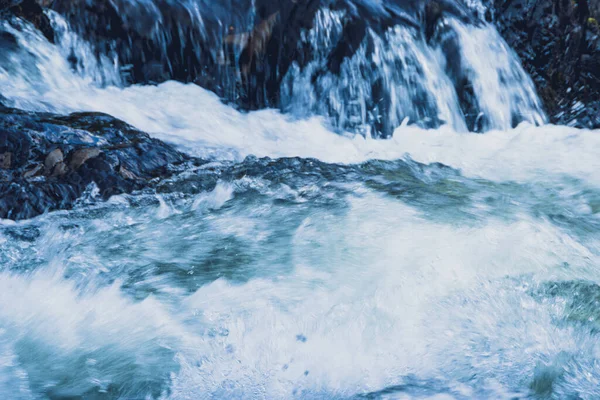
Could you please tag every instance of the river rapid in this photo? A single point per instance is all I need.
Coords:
(319, 263)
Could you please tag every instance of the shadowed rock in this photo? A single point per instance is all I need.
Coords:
(47, 162)
(32, 11)
(558, 42)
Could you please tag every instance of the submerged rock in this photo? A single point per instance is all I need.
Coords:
(47, 161)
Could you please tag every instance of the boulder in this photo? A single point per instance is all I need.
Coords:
(47, 162)
(32, 11)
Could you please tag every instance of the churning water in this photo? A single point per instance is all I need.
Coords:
(302, 262)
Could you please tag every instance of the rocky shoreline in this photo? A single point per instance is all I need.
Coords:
(47, 161)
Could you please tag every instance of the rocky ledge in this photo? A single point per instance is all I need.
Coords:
(47, 162)
(558, 42)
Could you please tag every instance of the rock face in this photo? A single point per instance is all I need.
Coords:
(47, 161)
(241, 50)
(32, 11)
(558, 42)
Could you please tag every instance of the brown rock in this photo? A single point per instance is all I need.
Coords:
(82, 155)
(60, 169)
(125, 173)
(5, 160)
(33, 172)
(55, 157)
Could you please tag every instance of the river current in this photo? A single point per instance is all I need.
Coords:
(437, 264)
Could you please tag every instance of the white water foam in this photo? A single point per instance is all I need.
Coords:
(376, 292)
(97, 337)
(37, 69)
(201, 124)
(502, 89)
(369, 303)
(318, 329)
(401, 63)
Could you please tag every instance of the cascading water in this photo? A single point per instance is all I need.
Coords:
(390, 79)
(398, 76)
(437, 263)
(463, 75)
(32, 70)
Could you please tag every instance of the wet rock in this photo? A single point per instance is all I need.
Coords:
(80, 156)
(558, 42)
(241, 50)
(125, 173)
(35, 171)
(49, 161)
(32, 11)
(55, 157)
(5, 160)
(154, 41)
(60, 169)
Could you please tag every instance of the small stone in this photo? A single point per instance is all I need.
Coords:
(82, 155)
(125, 173)
(35, 171)
(60, 169)
(54, 157)
(5, 160)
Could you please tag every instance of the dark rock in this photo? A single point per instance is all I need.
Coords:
(125, 173)
(53, 158)
(154, 41)
(5, 160)
(32, 11)
(60, 169)
(35, 171)
(49, 161)
(80, 156)
(241, 50)
(558, 42)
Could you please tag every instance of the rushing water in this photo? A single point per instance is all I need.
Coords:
(306, 263)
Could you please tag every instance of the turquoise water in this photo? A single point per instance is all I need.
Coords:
(300, 279)
(305, 262)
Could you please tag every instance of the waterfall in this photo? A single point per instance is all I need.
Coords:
(366, 67)
(291, 199)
